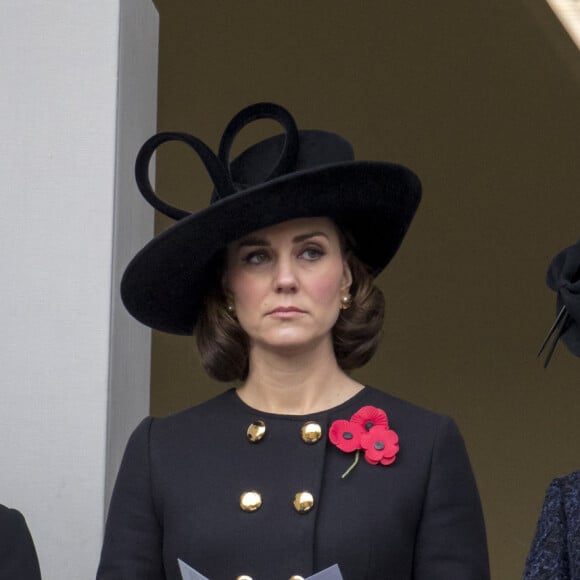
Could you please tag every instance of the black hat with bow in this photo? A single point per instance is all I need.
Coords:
(300, 173)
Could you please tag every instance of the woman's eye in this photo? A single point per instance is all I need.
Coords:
(256, 258)
(312, 254)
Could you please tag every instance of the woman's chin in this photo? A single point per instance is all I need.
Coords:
(290, 343)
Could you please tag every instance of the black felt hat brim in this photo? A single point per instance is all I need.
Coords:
(165, 283)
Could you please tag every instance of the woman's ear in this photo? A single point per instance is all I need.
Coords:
(346, 277)
(229, 297)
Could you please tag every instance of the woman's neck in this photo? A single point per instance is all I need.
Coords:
(296, 383)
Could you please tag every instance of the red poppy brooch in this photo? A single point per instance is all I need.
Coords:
(368, 431)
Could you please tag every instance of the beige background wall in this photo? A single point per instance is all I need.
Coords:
(482, 100)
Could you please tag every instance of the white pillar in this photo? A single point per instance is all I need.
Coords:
(78, 97)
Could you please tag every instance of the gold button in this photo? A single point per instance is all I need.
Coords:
(244, 577)
(250, 501)
(256, 431)
(296, 577)
(303, 502)
(311, 432)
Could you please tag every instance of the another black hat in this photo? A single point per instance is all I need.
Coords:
(564, 278)
(306, 173)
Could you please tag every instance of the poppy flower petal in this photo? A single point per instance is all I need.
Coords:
(380, 445)
(345, 435)
(369, 417)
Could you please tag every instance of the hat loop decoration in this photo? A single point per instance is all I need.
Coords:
(220, 177)
(563, 277)
(289, 154)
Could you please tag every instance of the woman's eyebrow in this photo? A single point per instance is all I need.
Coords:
(253, 242)
(303, 237)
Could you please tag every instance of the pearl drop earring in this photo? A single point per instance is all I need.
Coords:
(346, 301)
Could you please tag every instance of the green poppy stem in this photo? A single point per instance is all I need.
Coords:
(356, 458)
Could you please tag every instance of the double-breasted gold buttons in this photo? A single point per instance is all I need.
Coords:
(303, 502)
(311, 432)
(256, 431)
(250, 501)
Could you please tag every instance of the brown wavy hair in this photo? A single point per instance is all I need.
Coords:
(224, 346)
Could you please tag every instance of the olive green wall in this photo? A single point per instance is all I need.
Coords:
(482, 99)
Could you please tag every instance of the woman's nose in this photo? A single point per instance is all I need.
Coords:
(285, 277)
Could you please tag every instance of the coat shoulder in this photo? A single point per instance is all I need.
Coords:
(405, 414)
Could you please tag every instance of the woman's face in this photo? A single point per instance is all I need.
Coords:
(286, 281)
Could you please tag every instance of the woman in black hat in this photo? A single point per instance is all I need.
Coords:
(300, 470)
(555, 549)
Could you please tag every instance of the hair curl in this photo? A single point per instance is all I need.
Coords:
(224, 346)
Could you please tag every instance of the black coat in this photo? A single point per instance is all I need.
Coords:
(18, 560)
(178, 490)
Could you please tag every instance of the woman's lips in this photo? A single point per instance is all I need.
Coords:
(285, 312)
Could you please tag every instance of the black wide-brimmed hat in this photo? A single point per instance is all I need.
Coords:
(564, 278)
(306, 173)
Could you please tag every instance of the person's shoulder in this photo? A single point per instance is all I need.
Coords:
(404, 410)
(213, 412)
(566, 490)
(412, 422)
(571, 481)
(10, 516)
(13, 529)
